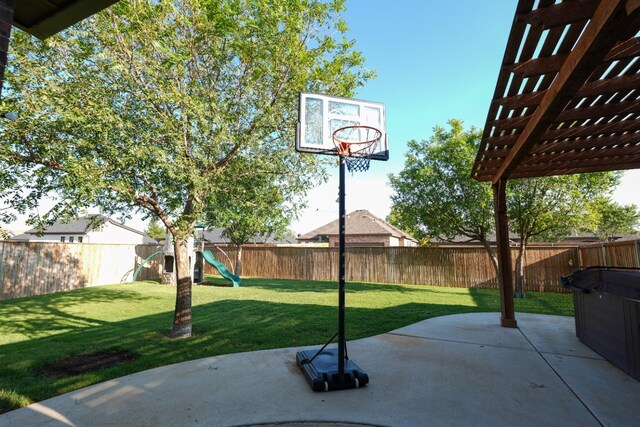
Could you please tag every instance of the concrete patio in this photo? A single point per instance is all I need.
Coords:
(447, 371)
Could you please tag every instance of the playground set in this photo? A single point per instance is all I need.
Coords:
(355, 131)
(197, 258)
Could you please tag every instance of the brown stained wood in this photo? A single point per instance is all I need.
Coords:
(599, 36)
(40, 268)
(614, 166)
(505, 266)
(560, 15)
(577, 145)
(36, 268)
(599, 111)
(570, 132)
(552, 64)
(461, 266)
(573, 159)
(599, 88)
(513, 44)
(623, 84)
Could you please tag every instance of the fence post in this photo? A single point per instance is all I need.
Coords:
(605, 260)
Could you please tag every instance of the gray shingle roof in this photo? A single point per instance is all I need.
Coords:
(82, 226)
(360, 222)
(79, 226)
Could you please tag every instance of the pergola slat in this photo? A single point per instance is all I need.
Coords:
(563, 14)
(586, 144)
(552, 64)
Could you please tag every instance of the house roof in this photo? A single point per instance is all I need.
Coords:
(44, 18)
(83, 225)
(491, 238)
(360, 222)
(566, 97)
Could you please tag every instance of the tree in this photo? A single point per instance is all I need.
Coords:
(148, 105)
(548, 208)
(611, 219)
(435, 195)
(155, 230)
(259, 204)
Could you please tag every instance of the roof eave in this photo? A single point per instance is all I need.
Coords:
(60, 20)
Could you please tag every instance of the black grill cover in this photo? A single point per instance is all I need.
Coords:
(620, 281)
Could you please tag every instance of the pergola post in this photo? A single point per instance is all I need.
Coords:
(505, 273)
(6, 21)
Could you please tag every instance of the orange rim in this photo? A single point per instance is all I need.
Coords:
(344, 147)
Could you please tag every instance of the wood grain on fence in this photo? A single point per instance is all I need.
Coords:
(35, 268)
(468, 267)
(611, 254)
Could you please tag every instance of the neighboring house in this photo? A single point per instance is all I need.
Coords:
(463, 241)
(575, 239)
(78, 231)
(578, 238)
(362, 229)
(215, 237)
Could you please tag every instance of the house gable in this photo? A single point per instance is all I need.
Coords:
(362, 229)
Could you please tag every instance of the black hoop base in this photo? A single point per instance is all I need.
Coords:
(322, 373)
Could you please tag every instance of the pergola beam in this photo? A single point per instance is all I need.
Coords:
(609, 24)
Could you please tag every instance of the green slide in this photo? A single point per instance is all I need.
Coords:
(211, 260)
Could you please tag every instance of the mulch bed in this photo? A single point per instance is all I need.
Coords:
(87, 362)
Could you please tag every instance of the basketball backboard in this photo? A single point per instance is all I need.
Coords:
(321, 115)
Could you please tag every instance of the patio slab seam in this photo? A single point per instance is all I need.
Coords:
(577, 356)
(574, 392)
(461, 342)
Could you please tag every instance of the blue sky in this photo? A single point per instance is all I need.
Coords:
(435, 60)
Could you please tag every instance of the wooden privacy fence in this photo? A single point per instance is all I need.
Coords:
(35, 268)
(612, 254)
(467, 267)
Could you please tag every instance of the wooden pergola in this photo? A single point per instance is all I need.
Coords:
(567, 101)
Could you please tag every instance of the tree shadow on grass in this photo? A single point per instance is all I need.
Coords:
(222, 327)
(290, 285)
(217, 281)
(42, 314)
(559, 304)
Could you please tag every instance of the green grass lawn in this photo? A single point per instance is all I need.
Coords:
(262, 314)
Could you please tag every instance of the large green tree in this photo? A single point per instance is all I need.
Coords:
(548, 208)
(436, 196)
(147, 105)
(611, 219)
(259, 204)
(155, 230)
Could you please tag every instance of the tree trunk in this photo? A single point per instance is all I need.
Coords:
(519, 282)
(238, 269)
(182, 315)
(492, 255)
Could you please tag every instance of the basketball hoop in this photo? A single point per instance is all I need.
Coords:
(356, 144)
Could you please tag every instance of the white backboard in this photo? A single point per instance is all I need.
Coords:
(320, 115)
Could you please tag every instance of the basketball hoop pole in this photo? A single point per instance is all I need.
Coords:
(342, 273)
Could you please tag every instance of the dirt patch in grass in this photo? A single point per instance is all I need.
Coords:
(87, 362)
